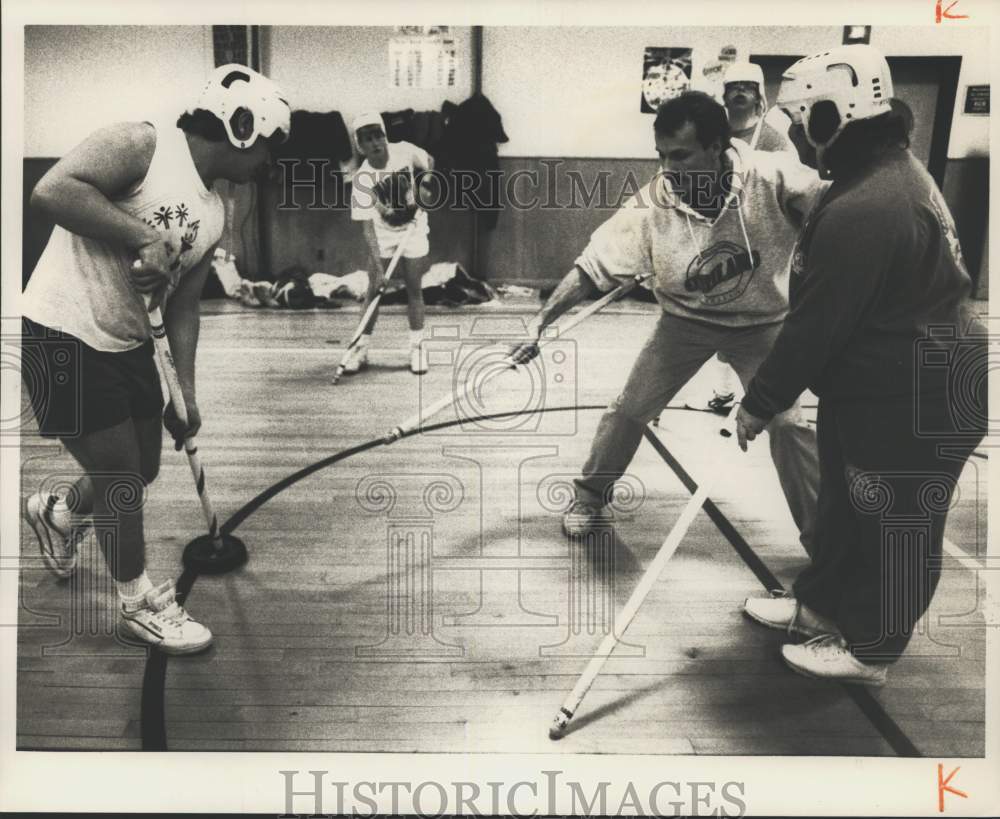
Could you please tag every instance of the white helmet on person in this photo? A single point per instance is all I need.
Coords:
(365, 120)
(746, 72)
(828, 91)
(248, 104)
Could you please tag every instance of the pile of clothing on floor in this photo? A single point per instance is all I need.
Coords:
(445, 284)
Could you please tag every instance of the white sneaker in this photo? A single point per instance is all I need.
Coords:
(418, 360)
(827, 657)
(357, 360)
(784, 612)
(57, 544)
(224, 267)
(161, 621)
(582, 518)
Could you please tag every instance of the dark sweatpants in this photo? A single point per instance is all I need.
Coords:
(883, 502)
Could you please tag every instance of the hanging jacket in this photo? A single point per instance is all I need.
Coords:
(469, 144)
(398, 125)
(317, 135)
(421, 128)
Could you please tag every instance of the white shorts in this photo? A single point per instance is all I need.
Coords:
(417, 246)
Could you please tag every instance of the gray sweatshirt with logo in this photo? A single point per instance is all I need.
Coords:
(732, 270)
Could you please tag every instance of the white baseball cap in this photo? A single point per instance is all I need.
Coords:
(365, 120)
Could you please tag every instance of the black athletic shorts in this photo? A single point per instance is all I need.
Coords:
(75, 390)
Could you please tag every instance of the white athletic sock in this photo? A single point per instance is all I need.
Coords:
(133, 591)
(416, 337)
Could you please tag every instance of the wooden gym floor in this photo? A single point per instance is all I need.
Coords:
(420, 596)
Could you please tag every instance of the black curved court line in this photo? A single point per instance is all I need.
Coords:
(871, 708)
(152, 715)
(152, 719)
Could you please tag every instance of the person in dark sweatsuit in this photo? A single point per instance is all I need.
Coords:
(881, 330)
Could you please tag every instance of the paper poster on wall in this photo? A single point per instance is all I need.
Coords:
(666, 72)
(422, 58)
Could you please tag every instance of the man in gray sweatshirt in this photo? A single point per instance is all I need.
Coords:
(714, 231)
(746, 103)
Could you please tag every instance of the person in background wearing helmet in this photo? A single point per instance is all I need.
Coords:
(714, 230)
(878, 265)
(384, 197)
(745, 101)
(131, 192)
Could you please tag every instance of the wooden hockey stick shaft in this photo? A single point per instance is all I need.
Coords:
(420, 418)
(635, 601)
(169, 371)
(373, 304)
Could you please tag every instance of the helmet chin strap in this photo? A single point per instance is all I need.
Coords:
(821, 166)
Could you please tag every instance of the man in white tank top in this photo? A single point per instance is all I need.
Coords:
(132, 192)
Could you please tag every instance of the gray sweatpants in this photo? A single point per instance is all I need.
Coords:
(672, 355)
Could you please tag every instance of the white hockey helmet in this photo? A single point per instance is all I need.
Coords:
(745, 72)
(828, 91)
(248, 104)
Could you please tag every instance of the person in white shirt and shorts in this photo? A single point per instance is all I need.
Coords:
(135, 216)
(385, 198)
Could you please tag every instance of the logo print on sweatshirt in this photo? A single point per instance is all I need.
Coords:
(937, 204)
(721, 273)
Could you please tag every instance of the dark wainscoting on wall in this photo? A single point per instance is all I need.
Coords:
(320, 236)
(35, 229)
(540, 243)
(530, 245)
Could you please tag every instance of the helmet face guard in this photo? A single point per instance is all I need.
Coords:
(824, 93)
(248, 104)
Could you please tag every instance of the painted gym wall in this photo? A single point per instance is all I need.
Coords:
(346, 69)
(563, 93)
(572, 94)
(80, 78)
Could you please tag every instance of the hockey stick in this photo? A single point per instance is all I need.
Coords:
(373, 305)
(169, 371)
(628, 613)
(508, 363)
